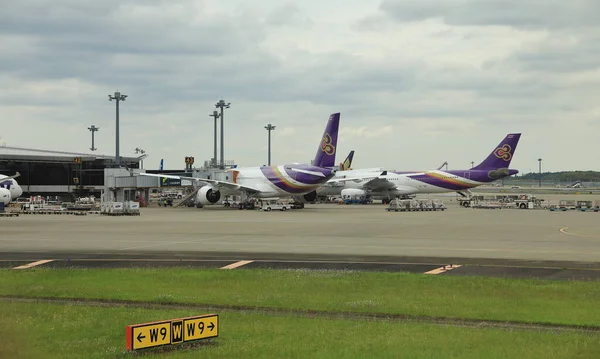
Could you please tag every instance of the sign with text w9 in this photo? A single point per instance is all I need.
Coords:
(173, 331)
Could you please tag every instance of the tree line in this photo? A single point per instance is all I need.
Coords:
(564, 176)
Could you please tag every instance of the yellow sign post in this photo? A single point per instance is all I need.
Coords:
(174, 331)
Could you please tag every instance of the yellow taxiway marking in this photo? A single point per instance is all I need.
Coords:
(443, 269)
(33, 264)
(236, 264)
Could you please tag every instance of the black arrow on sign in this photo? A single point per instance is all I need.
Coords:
(211, 326)
(140, 337)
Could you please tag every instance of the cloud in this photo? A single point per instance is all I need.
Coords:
(456, 75)
(515, 13)
(288, 14)
(366, 132)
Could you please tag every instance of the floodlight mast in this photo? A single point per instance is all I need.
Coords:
(216, 115)
(222, 105)
(269, 128)
(93, 129)
(118, 97)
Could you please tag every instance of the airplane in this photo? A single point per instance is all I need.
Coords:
(9, 188)
(389, 184)
(292, 180)
(347, 164)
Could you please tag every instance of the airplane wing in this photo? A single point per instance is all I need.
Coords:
(356, 179)
(373, 182)
(8, 178)
(216, 184)
(378, 183)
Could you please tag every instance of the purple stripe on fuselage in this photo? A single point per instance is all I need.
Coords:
(307, 182)
(481, 176)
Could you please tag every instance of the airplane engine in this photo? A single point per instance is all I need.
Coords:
(207, 195)
(352, 192)
(5, 196)
(311, 196)
(307, 198)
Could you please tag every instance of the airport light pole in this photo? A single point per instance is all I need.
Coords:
(139, 150)
(540, 178)
(93, 128)
(269, 128)
(118, 97)
(216, 115)
(222, 105)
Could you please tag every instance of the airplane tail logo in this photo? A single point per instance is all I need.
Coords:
(502, 154)
(326, 145)
(325, 156)
(161, 165)
(347, 164)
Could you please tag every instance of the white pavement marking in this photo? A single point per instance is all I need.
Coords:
(169, 243)
(563, 230)
(443, 269)
(236, 264)
(33, 264)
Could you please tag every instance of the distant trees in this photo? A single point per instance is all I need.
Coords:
(564, 176)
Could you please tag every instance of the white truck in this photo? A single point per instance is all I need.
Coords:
(270, 204)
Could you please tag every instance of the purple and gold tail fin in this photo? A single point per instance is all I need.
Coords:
(502, 154)
(325, 156)
(347, 164)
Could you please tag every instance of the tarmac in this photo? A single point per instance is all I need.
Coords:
(504, 243)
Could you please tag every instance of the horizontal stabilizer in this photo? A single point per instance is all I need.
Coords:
(8, 178)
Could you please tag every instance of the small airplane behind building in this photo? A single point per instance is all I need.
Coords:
(9, 188)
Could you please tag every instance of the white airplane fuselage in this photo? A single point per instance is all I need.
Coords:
(266, 182)
(11, 187)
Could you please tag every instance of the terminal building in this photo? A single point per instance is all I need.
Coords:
(48, 172)
(76, 174)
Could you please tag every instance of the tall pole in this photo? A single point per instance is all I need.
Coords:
(117, 97)
(269, 128)
(222, 105)
(93, 128)
(540, 178)
(216, 115)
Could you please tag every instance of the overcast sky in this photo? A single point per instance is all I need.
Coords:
(417, 82)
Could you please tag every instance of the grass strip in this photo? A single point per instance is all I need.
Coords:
(66, 331)
(522, 300)
(476, 323)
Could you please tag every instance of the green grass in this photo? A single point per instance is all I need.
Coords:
(72, 331)
(540, 301)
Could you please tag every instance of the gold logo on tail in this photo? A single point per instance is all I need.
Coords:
(326, 145)
(503, 153)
